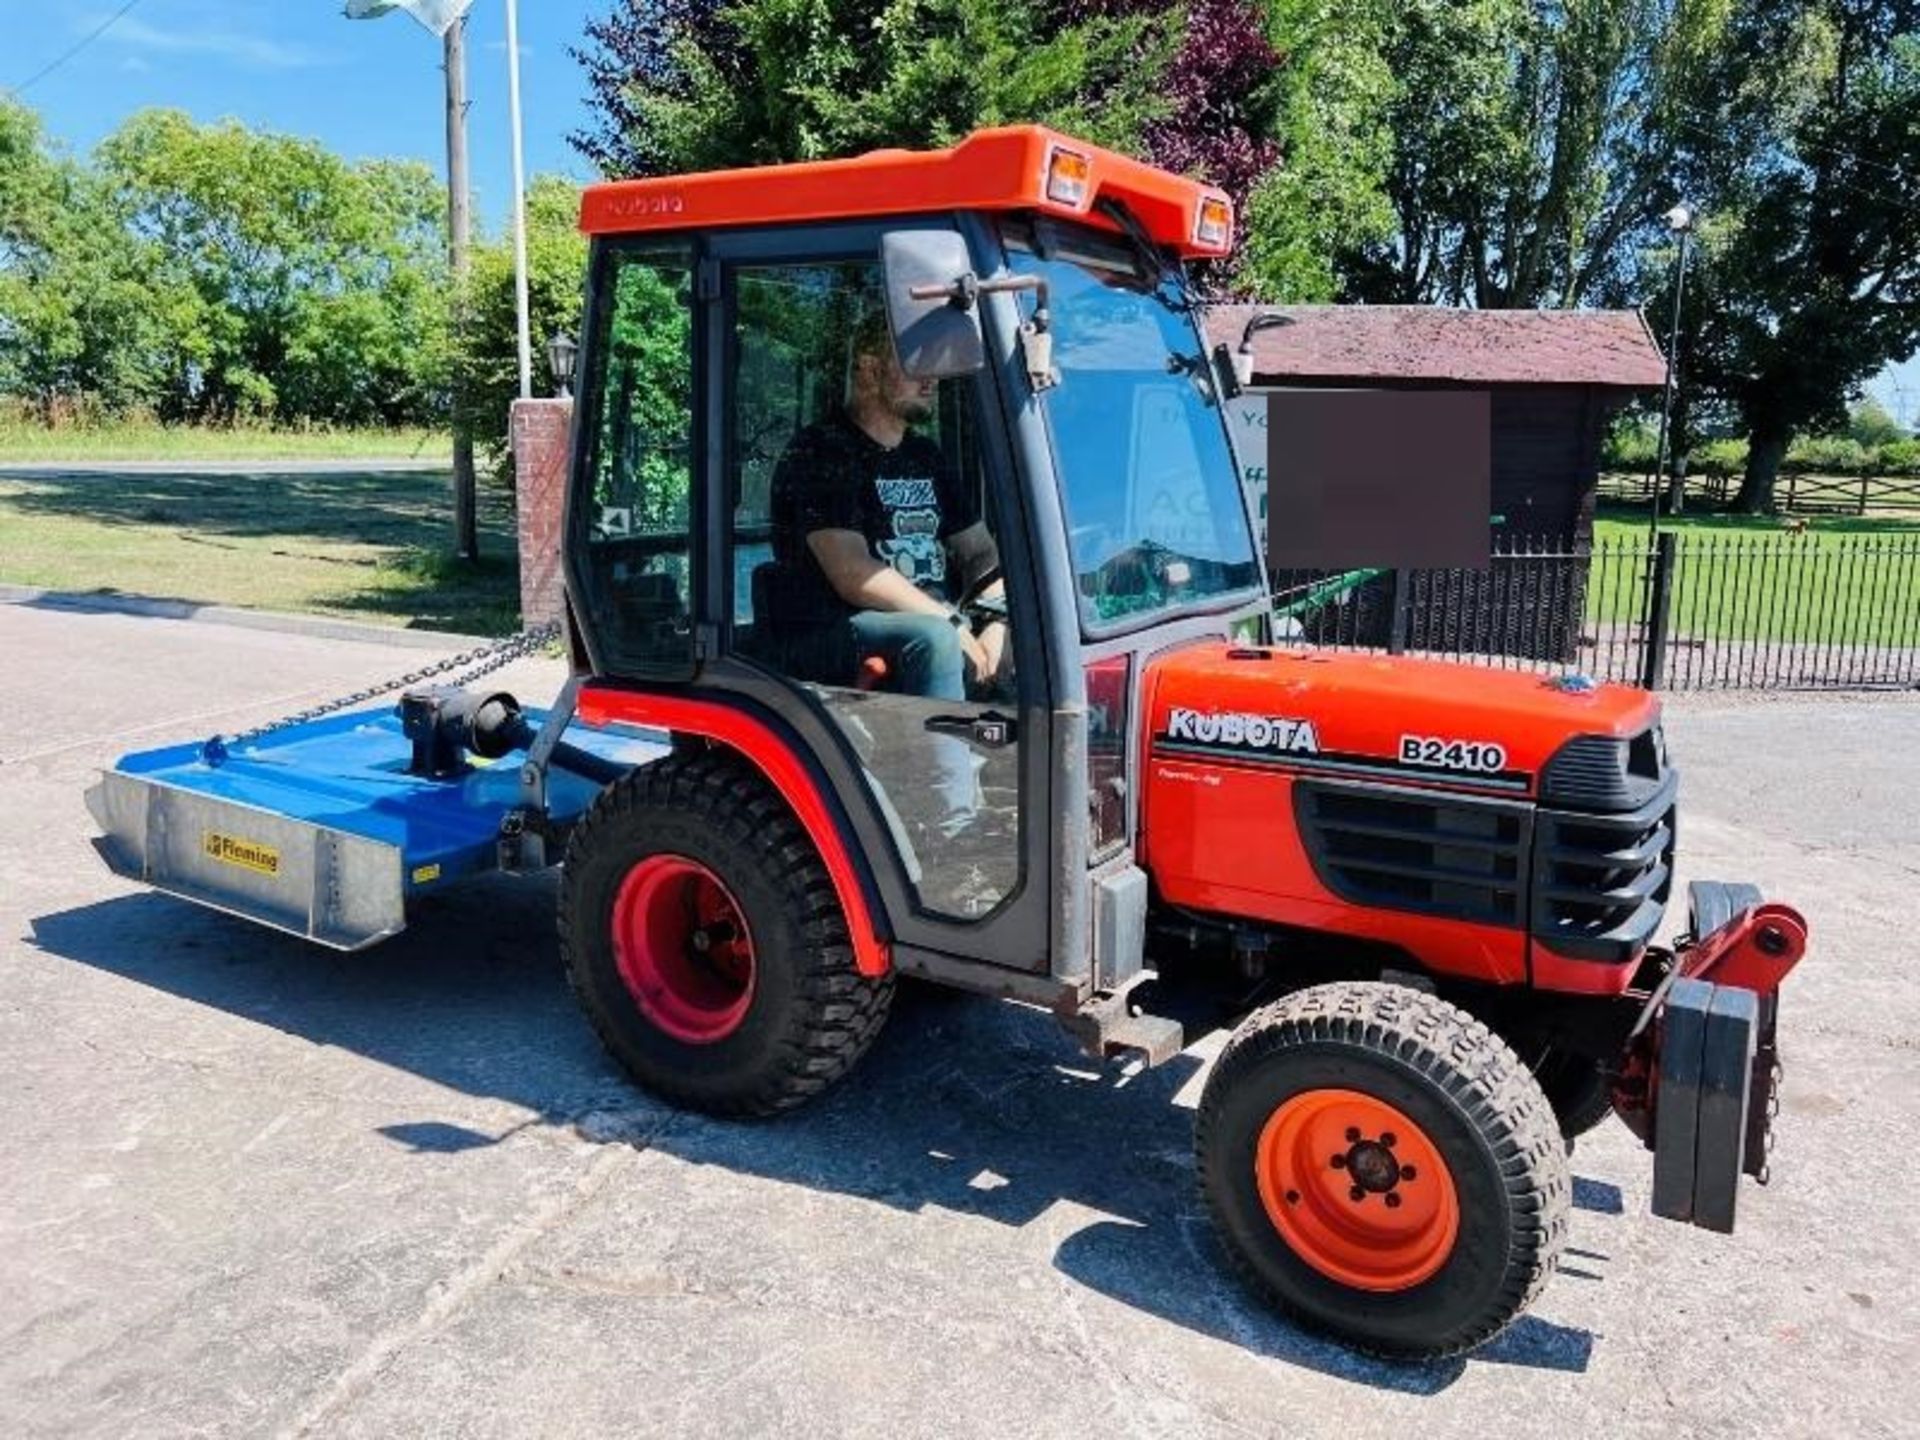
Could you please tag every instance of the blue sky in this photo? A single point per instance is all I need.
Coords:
(363, 87)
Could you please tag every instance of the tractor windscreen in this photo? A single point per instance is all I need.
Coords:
(1154, 505)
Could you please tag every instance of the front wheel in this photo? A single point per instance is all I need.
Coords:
(704, 940)
(1383, 1168)
(1579, 1089)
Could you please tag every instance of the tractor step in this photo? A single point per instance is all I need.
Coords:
(321, 829)
(1106, 1029)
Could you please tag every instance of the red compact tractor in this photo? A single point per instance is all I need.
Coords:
(907, 559)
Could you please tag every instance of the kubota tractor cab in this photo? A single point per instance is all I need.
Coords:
(903, 506)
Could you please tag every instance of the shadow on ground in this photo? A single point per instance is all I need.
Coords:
(965, 1105)
(395, 522)
(372, 506)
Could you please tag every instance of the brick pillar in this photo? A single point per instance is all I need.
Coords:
(541, 430)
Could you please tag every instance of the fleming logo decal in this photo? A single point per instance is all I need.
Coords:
(1244, 732)
(247, 854)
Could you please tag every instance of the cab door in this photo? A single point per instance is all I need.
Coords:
(636, 499)
(949, 796)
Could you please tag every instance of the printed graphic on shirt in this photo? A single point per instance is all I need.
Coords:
(910, 542)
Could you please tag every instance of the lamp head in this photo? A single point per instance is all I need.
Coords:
(562, 352)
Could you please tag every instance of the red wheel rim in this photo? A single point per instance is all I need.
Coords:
(1357, 1190)
(683, 948)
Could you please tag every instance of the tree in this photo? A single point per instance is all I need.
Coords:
(556, 280)
(1812, 276)
(1328, 100)
(1216, 81)
(1872, 425)
(317, 287)
(1532, 143)
(81, 322)
(686, 85)
(1215, 88)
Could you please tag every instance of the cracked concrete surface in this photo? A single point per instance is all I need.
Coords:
(253, 1187)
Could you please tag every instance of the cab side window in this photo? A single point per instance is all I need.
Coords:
(632, 517)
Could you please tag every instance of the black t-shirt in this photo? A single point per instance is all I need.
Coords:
(907, 501)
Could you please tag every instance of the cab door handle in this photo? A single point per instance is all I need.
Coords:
(992, 730)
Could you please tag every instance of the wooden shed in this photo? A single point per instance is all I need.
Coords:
(1555, 379)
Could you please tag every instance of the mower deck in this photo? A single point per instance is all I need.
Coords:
(319, 829)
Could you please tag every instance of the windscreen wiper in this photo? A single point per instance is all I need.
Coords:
(1153, 265)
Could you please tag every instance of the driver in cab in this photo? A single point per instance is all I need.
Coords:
(876, 536)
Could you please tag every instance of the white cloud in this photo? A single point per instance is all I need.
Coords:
(255, 51)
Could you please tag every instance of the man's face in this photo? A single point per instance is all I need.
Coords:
(908, 399)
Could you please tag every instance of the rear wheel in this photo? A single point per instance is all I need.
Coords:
(705, 942)
(1383, 1167)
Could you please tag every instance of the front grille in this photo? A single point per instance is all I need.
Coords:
(1458, 857)
(1601, 882)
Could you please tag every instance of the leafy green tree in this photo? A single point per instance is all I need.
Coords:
(81, 323)
(695, 87)
(1532, 143)
(556, 283)
(1810, 277)
(1328, 100)
(318, 286)
(1871, 424)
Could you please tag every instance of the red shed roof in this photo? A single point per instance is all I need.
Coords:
(1431, 344)
(1006, 168)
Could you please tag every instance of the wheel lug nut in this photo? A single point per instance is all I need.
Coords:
(1353, 1133)
(1387, 1138)
(1293, 1197)
(1407, 1172)
(1339, 1162)
(1356, 1194)
(1393, 1201)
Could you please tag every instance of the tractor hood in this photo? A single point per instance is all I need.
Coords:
(1385, 716)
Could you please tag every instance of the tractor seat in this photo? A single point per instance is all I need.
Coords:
(764, 586)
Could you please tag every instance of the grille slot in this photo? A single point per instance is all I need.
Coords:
(1454, 856)
(1601, 882)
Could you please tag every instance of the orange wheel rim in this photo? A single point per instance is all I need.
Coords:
(1357, 1190)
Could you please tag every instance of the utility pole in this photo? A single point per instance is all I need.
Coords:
(466, 532)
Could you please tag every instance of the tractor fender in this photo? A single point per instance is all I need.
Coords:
(767, 750)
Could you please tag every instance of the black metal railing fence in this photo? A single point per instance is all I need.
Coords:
(1684, 612)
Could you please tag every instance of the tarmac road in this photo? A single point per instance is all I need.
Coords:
(251, 1187)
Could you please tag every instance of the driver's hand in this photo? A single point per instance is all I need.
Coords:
(978, 659)
(993, 645)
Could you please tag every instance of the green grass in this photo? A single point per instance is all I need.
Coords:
(24, 442)
(1844, 580)
(368, 545)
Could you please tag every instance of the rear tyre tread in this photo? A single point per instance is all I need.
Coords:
(838, 1012)
(1477, 1071)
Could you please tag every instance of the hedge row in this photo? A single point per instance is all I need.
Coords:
(1823, 455)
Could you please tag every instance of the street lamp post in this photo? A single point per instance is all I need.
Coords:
(1681, 220)
(521, 306)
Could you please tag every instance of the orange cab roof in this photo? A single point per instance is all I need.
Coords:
(1001, 169)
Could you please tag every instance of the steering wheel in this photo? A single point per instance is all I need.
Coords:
(979, 612)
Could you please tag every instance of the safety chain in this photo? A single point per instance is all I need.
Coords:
(482, 660)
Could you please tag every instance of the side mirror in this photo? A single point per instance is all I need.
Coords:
(930, 303)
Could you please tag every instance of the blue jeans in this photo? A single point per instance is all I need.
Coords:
(922, 652)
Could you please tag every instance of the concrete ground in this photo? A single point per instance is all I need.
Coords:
(247, 1186)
